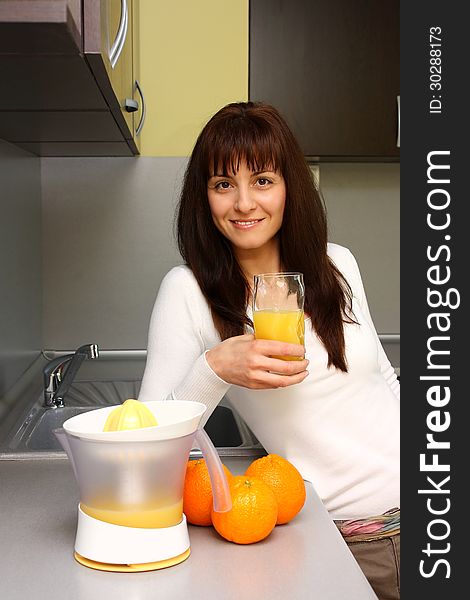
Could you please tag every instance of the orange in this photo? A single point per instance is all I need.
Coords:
(253, 515)
(285, 481)
(197, 495)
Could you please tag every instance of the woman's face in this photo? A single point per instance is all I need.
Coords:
(247, 207)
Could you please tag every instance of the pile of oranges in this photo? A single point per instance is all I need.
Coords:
(270, 493)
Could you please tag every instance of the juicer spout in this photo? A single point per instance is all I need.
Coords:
(64, 442)
(222, 500)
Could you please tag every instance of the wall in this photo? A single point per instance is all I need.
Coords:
(363, 205)
(108, 242)
(20, 264)
(364, 214)
(193, 61)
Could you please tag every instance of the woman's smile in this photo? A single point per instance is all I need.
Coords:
(241, 224)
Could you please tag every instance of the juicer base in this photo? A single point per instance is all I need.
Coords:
(137, 568)
(106, 543)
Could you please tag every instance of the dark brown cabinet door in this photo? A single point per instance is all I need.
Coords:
(332, 68)
(63, 96)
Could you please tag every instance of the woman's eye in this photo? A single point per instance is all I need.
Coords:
(262, 181)
(222, 185)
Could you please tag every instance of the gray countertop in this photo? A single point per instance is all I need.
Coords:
(306, 558)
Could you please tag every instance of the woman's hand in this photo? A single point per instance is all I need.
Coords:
(246, 361)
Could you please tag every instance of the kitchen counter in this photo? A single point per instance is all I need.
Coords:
(307, 558)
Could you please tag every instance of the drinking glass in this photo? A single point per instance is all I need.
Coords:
(278, 308)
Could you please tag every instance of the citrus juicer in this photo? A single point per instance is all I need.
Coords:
(130, 515)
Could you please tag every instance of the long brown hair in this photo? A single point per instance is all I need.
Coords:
(256, 133)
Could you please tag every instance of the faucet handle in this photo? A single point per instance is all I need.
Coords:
(52, 377)
(56, 386)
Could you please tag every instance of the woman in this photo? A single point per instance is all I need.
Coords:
(249, 205)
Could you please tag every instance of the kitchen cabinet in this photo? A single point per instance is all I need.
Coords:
(332, 68)
(70, 74)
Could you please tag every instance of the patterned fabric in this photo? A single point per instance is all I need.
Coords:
(372, 528)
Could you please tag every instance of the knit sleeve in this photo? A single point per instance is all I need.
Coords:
(355, 281)
(176, 367)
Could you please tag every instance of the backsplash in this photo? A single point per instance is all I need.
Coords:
(20, 264)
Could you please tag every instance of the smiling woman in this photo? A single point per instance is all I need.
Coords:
(249, 205)
(242, 149)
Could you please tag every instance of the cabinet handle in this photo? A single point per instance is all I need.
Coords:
(398, 119)
(138, 129)
(121, 35)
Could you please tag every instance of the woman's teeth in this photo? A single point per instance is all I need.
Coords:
(246, 223)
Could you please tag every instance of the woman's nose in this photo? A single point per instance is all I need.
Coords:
(245, 201)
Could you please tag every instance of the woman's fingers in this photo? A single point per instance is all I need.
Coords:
(275, 348)
(282, 367)
(268, 372)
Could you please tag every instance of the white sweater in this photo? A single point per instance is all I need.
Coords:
(341, 430)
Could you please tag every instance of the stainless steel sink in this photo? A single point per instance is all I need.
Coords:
(36, 432)
(33, 432)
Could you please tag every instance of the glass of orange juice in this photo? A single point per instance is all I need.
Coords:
(278, 308)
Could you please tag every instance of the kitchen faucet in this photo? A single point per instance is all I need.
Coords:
(56, 381)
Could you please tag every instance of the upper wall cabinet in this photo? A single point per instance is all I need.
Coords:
(332, 68)
(69, 70)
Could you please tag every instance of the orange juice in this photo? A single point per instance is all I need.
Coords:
(163, 516)
(281, 325)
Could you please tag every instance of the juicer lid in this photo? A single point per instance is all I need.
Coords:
(175, 418)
